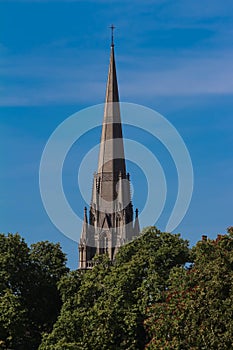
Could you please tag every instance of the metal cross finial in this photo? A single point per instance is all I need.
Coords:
(112, 29)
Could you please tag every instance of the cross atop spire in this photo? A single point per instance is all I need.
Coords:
(112, 27)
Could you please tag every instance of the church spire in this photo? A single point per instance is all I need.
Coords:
(111, 155)
(85, 226)
(136, 224)
(110, 223)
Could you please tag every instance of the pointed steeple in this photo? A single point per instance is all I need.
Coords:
(85, 226)
(111, 155)
(82, 247)
(112, 94)
(136, 224)
(111, 211)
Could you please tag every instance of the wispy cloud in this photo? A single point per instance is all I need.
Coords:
(183, 49)
(70, 76)
(60, 77)
(182, 76)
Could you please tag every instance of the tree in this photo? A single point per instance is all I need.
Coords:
(44, 299)
(15, 265)
(50, 258)
(12, 321)
(196, 311)
(15, 271)
(108, 308)
(29, 298)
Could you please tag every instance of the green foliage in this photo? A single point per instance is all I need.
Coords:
(29, 298)
(50, 258)
(108, 307)
(48, 263)
(14, 263)
(147, 298)
(197, 309)
(12, 320)
(69, 284)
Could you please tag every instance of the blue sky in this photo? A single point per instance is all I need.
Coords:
(173, 56)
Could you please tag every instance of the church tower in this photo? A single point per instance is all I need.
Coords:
(111, 223)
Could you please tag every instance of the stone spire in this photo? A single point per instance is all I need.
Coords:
(83, 242)
(85, 226)
(111, 210)
(111, 155)
(136, 224)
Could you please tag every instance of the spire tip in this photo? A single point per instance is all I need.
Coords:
(112, 27)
